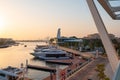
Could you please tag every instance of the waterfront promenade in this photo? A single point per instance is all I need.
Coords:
(88, 71)
(76, 64)
(76, 52)
(79, 68)
(83, 73)
(27, 79)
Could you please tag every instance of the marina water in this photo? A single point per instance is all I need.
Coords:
(15, 55)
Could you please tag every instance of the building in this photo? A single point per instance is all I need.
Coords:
(96, 36)
(71, 42)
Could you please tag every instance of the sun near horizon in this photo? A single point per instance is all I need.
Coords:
(38, 19)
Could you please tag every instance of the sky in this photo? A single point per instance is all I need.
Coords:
(39, 19)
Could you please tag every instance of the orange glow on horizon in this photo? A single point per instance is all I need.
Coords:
(41, 18)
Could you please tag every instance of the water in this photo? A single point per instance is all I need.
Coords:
(15, 55)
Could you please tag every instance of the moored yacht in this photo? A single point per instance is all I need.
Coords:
(50, 54)
(11, 73)
(40, 49)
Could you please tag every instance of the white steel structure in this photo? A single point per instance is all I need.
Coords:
(111, 52)
(111, 10)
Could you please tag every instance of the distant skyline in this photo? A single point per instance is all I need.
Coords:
(39, 19)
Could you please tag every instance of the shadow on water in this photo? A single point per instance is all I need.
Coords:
(52, 65)
(43, 61)
(35, 59)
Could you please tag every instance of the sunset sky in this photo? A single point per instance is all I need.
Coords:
(38, 19)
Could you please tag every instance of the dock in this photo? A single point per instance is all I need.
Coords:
(43, 68)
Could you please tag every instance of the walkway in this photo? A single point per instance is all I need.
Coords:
(75, 65)
(88, 71)
(83, 54)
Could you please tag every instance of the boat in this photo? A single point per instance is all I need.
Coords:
(51, 54)
(44, 48)
(25, 45)
(39, 46)
(40, 49)
(4, 46)
(11, 73)
(16, 44)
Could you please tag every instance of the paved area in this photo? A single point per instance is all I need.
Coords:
(74, 64)
(27, 78)
(75, 52)
(88, 71)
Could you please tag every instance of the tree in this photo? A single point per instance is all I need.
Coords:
(73, 37)
(51, 40)
(2, 42)
(101, 75)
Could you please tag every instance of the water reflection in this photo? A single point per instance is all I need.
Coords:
(15, 55)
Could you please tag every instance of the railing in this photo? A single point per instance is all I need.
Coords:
(77, 67)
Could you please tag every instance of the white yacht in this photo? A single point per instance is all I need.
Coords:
(50, 54)
(11, 73)
(40, 49)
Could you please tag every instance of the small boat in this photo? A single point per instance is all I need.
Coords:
(4, 46)
(11, 73)
(25, 45)
(43, 49)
